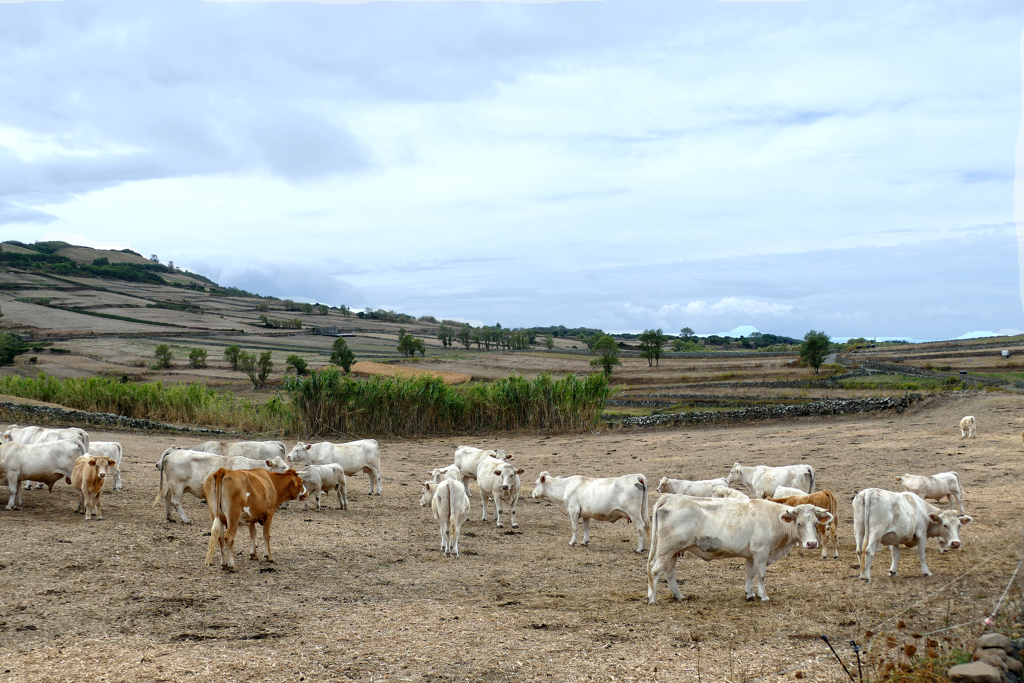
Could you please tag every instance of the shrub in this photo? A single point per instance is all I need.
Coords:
(301, 367)
(197, 358)
(342, 355)
(258, 369)
(163, 356)
(232, 354)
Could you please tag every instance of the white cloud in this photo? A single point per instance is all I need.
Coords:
(735, 305)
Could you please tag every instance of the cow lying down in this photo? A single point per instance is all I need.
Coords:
(760, 531)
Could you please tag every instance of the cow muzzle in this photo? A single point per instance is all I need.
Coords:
(102, 475)
(954, 544)
(505, 488)
(810, 545)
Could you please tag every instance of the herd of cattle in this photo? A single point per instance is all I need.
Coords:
(245, 483)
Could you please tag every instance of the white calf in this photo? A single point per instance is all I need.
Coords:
(450, 504)
(319, 479)
(700, 488)
(439, 474)
(967, 427)
(787, 491)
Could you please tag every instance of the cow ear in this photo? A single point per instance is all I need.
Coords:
(823, 516)
(520, 471)
(308, 446)
(934, 517)
(543, 479)
(965, 520)
(92, 463)
(788, 515)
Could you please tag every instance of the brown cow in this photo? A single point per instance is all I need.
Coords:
(88, 477)
(250, 497)
(826, 500)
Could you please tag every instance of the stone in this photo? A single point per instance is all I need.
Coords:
(992, 652)
(1015, 665)
(995, 640)
(990, 657)
(975, 672)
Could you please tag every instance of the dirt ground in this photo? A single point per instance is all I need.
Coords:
(365, 594)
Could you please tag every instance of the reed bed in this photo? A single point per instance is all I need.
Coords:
(329, 403)
(186, 403)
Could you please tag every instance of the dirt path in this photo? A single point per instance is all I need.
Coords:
(365, 594)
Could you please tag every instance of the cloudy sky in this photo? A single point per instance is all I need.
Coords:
(621, 164)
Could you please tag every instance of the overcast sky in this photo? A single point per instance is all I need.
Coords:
(622, 164)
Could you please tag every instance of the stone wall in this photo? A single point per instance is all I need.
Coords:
(46, 415)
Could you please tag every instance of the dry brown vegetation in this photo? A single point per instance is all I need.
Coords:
(387, 370)
(365, 594)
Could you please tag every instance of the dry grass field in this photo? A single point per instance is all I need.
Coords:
(365, 594)
(387, 370)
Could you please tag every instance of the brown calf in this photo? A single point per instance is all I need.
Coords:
(88, 477)
(826, 500)
(250, 497)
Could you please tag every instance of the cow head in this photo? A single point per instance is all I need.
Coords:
(300, 452)
(100, 464)
(663, 485)
(946, 525)
(735, 475)
(806, 517)
(428, 493)
(295, 488)
(276, 465)
(509, 476)
(502, 455)
(540, 486)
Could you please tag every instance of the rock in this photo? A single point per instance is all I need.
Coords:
(994, 652)
(975, 672)
(995, 640)
(1015, 665)
(992, 658)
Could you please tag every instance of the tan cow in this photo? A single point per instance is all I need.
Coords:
(826, 500)
(88, 477)
(250, 497)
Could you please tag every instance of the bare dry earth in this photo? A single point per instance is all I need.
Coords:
(365, 594)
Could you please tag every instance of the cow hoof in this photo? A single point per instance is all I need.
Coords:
(585, 544)
(515, 526)
(892, 573)
(751, 598)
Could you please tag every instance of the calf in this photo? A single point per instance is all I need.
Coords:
(499, 480)
(936, 487)
(450, 504)
(786, 492)
(760, 531)
(113, 452)
(967, 427)
(248, 497)
(354, 457)
(187, 471)
(726, 492)
(606, 500)
(438, 474)
(700, 488)
(894, 519)
(44, 462)
(763, 480)
(822, 499)
(88, 477)
(320, 478)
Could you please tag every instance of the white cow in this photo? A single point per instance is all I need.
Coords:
(113, 452)
(700, 488)
(894, 519)
(254, 450)
(760, 531)
(468, 458)
(187, 471)
(763, 480)
(450, 504)
(439, 474)
(606, 499)
(967, 427)
(45, 462)
(499, 480)
(325, 478)
(726, 492)
(354, 457)
(787, 491)
(31, 435)
(936, 487)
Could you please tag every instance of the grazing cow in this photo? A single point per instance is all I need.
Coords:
(354, 457)
(936, 487)
(468, 458)
(187, 471)
(700, 488)
(113, 452)
(786, 492)
(33, 435)
(254, 450)
(248, 497)
(894, 519)
(325, 478)
(45, 462)
(824, 499)
(606, 499)
(726, 492)
(760, 531)
(88, 477)
(499, 480)
(763, 480)
(439, 474)
(450, 504)
(967, 427)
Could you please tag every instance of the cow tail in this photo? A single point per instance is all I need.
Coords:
(865, 528)
(812, 478)
(216, 530)
(160, 489)
(833, 507)
(645, 513)
(958, 484)
(653, 551)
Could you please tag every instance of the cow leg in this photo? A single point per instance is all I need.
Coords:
(252, 539)
(497, 510)
(512, 513)
(176, 497)
(641, 532)
(444, 537)
(483, 502)
(895, 551)
(574, 520)
(12, 486)
(761, 568)
(117, 478)
(453, 537)
(81, 502)
(228, 547)
(266, 538)
(749, 587)
(99, 509)
(656, 567)
(921, 542)
(376, 477)
(586, 531)
(866, 552)
(342, 497)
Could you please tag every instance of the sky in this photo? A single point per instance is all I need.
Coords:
(620, 164)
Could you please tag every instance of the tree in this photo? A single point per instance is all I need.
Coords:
(651, 342)
(814, 349)
(465, 335)
(10, 346)
(549, 341)
(163, 356)
(609, 353)
(257, 369)
(301, 367)
(680, 344)
(232, 354)
(197, 358)
(408, 345)
(342, 355)
(686, 332)
(446, 333)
